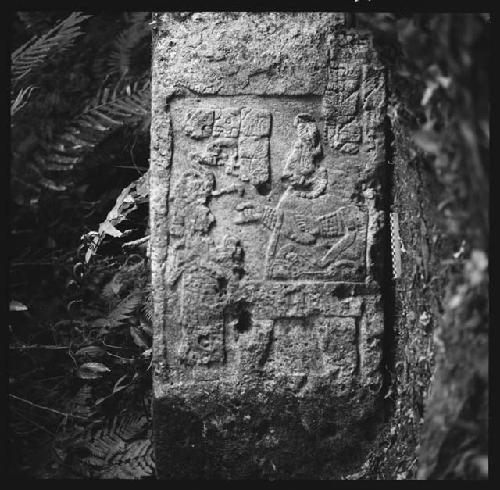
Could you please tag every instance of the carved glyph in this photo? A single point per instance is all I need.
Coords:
(239, 141)
(354, 95)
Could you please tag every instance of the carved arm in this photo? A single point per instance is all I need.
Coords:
(250, 212)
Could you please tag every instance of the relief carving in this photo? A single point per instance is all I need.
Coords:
(227, 123)
(268, 315)
(354, 96)
(255, 122)
(254, 159)
(190, 215)
(309, 237)
(201, 272)
(300, 243)
(300, 169)
(342, 107)
(204, 275)
(220, 152)
(199, 123)
(239, 143)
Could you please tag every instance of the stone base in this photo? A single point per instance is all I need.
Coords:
(211, 431)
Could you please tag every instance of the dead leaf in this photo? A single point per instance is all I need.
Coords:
(91, 351)
(107, 228)
(427, 140)
(138, 337)
(92, 370)
(17, 306)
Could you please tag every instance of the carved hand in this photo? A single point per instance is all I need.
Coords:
(303, 238)
(304, 230)
(249, 212)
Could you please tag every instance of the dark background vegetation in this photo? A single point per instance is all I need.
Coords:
(79, 357)
(79, 320)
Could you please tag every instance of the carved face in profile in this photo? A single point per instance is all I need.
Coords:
(301, 162)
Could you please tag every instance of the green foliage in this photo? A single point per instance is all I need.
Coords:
(80, 348)
(96, 102)
(120, 448)
(439, 67)
(439, 95)
(31, 55)
(21, 100)
(124, 310)
(127, 41)
(111, 109)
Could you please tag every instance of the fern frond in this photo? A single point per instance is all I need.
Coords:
(132, 426)
(33, 53)
(148, 308)
(126, 41)
(135, 18)
(20, 100)
(104, 444)
(121, 449)
(82, 403)
(134, 464)
(124, 310)
(111, 109)
(111, 289)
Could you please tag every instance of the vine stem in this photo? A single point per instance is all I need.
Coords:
(36, 424)
(38, 346)
(53, 410)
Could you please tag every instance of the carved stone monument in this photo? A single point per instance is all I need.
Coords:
(266, 225)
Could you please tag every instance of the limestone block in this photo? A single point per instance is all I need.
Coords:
(268, 320)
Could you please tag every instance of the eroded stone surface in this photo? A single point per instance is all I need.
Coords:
(268, 154)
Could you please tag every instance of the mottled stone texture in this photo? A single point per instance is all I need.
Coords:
(267, 144)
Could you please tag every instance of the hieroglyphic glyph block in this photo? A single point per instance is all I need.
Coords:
(227, 122)
(199, 123)
(255, 123)
(354, 95)
(246, 157)
(265, 226)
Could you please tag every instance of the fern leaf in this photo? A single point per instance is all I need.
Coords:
(82, 403)
(21, 100)
(131, 426)
(134, 18)
(124, 310)
(119, 60)
(111, 289)
(51, 185)
(121, 449)
(148, 308)
(34, 53)
(109, 111)
(133, 464)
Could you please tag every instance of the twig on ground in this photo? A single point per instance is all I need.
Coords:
(53, 410)
(38, 346)
(36, 424)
